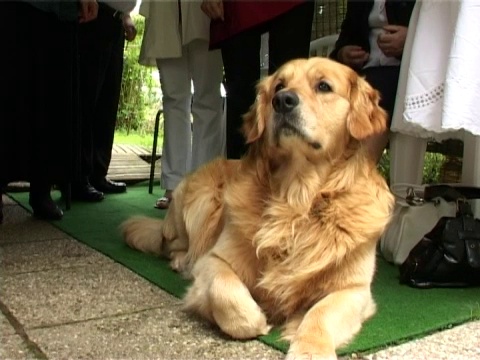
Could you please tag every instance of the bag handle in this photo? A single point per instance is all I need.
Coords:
(451, 192)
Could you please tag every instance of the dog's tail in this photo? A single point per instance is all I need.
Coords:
(144, 234)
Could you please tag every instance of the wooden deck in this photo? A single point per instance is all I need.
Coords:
(131, 163)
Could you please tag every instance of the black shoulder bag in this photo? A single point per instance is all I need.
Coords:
(449, 255)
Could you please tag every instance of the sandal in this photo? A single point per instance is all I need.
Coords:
(164, 201)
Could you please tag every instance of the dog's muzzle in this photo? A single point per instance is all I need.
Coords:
(287, 120)
(285, 101)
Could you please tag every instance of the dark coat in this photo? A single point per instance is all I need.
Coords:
(355, 29)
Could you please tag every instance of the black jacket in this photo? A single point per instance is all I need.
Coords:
(355, 29)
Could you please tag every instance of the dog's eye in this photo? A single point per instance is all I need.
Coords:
(323, 86)
(279, 87)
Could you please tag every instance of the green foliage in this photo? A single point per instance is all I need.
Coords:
(384, 165)
(139, 97)
(431, 168)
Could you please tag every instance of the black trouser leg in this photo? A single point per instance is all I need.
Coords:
(107, 106)
(90, 76)
(289, 36)
(241, 61)
(101, 52)
(38, 95)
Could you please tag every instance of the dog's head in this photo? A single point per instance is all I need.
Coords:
(317, 106)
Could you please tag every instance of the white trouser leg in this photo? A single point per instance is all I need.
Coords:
(207, 106)
(177, 133)
(471, 166)
(407, 156)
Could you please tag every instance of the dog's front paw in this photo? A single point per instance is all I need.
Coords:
(177, 262)
(237, 314)
(313, 349)
(242, 328)
(308, 356)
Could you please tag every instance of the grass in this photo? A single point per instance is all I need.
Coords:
(137, 138)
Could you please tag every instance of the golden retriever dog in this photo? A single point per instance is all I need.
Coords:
(287, 235)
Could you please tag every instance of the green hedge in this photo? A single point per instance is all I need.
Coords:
(139, 96)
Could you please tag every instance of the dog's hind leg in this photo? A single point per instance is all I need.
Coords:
(219, 295)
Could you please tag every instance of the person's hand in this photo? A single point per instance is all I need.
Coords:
(129, 27)
(393, 40)
(213, 9)
(353, 56)
(88, 10)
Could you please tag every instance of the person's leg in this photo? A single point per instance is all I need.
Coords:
(385, 80)
(36, 121)
(106, 107)
(93, 40)
(41, 201)
(18, 69)
(289, 36)
(207, 105)
(241, 61)
(177, 128)
(89, 68)
(53, 105)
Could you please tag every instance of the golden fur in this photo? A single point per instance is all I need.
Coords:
(287, 235)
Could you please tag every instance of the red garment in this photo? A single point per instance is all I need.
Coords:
(241, 15)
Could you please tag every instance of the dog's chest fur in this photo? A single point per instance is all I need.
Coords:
(303, 238)
(287, 241)
(298, 248)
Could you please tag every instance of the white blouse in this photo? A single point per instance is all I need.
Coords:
(377, 20)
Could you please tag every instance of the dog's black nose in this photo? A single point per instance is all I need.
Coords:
(285, 101)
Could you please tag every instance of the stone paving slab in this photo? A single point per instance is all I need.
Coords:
(165, 333)
(13, 347)
(5, 328)
(459, 343)
(59, 296)
(20, 226)
(47, 255)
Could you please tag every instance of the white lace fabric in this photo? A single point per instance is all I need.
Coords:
(439, 87)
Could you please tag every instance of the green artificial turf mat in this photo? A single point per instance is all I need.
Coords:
(403, 313)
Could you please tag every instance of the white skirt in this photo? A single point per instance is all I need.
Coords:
(439, 86)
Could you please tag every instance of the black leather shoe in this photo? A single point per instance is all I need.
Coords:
(86, 192)
(45, 208)
(109, 187)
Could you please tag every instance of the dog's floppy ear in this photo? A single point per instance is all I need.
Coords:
(366, 116)
(254, 121)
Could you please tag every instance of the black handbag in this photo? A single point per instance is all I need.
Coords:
(449, 255)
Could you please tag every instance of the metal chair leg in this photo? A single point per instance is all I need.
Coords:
(154, 151)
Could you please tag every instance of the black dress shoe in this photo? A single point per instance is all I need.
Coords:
(86, 192)
(109, 187)
(45, 209)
